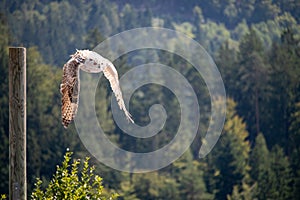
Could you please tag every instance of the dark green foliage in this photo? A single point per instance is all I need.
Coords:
(253, 75)
(282, 180)
(4, 41)
(264, 10)
(182, 180)
(94, 37)
(155, 186)
(227, 63)
(295, 154)
(284, 59)
(228, 161)
(261, 172)
(189, 175)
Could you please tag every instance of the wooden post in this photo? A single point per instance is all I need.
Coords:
(17, 123)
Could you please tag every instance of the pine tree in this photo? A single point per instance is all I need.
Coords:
(253, 75)
(228, 66)
(228, 161)
(261, 167)
(189, 174)
(282, 182)
(284, 59)
(294, 130)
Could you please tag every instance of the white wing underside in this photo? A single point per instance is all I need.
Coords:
(111, 74)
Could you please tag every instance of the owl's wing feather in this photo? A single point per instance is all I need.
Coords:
(111, 74)
(70, 91)
(91, 62)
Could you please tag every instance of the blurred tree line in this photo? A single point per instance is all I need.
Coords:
(256, 46)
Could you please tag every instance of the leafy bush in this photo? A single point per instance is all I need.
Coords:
(69, 183)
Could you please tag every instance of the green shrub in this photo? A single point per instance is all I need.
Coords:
(69, 183)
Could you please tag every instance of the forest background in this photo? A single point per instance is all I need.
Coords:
(256, 46)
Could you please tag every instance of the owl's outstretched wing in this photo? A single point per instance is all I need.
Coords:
(91, 62)
(111, 74)
(69, 89)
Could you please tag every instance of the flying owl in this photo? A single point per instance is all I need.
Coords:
(92, 62)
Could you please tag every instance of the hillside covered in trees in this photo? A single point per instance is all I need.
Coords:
(256, 46)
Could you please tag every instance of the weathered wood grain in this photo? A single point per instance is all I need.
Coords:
(17, 123)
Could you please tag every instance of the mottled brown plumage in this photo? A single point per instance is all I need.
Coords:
(70, 91)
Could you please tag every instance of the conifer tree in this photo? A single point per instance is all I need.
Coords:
(229, 158)
(284, 59)
(253, 76)
(189, 174)
(282, 182)
(294, 130)
(261, 167)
